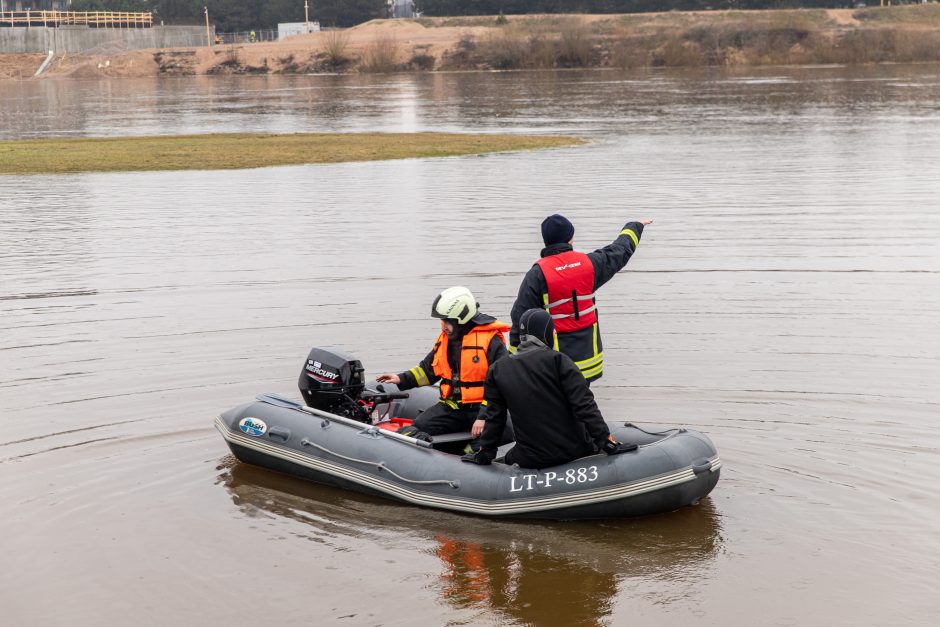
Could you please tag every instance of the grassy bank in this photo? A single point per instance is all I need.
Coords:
(243, 150)
(714, 38)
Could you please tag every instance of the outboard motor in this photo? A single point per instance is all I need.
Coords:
(333, 380)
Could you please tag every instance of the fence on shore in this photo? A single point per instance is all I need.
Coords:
(244, 37)
(92, 19)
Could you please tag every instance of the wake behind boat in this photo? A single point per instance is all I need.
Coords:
(345, 436)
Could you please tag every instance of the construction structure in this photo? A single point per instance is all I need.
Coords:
(54, 18)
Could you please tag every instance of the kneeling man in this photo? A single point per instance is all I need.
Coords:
(554, 414)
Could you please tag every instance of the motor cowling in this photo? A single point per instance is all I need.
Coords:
(331, 380)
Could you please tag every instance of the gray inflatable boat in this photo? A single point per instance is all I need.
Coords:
(332, 440)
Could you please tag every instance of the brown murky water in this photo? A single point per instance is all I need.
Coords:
(786, 302)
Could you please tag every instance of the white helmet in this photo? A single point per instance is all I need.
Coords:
(455, 303)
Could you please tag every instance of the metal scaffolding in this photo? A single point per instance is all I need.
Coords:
(92, 19)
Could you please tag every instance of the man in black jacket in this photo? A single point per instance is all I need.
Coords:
(554, 414)
(563, 282)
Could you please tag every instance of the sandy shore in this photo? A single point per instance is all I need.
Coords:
(901, 34)
(302, 53)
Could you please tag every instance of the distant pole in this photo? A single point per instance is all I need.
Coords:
(306, 17)
(208, 36)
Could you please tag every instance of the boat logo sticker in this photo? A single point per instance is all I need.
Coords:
(317, 372)
(252, 426)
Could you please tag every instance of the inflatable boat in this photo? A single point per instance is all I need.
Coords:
(344, 434)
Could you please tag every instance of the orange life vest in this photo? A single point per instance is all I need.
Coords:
(473, 361)
(570, 299)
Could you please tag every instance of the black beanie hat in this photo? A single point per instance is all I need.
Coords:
(538, 323)
(556, 229)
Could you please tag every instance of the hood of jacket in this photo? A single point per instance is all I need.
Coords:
(530, 344)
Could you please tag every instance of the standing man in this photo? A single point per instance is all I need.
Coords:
(469, 342)
(563, 283)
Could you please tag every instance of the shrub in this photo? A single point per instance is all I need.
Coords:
(679, 54)
(335, 45)
(506, 50)
(462, 56)
(467, 43)
(632, 52)
(421, 61)
(542, 53)
(574, 49)
(380, 56)
(925, 45)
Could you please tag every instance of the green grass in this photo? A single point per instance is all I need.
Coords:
(247, 150)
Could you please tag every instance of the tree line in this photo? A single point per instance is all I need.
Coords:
(241, 15)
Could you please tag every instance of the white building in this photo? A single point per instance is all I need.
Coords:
(290, 29)
(401, 8)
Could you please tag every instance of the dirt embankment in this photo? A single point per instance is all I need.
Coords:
(895, 34)
(19, 66)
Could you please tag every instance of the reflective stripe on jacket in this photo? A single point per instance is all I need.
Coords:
(473, 362)
(569, 279)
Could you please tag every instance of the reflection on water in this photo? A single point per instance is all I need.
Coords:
(532, 573)
(530, 586)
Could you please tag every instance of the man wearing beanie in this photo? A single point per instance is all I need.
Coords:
(554, 415)
(564, 281)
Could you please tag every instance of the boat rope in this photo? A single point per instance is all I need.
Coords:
(380, 466)
(666, 432)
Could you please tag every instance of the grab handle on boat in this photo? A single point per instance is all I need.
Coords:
(701, 466)
(280, 401)
(279, 432)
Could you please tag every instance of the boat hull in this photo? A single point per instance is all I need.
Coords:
(669, 470)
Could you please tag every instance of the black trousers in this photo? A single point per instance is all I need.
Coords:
(513, 457)
(442, 418)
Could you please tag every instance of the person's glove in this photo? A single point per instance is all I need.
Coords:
(481, 457)
(613, 447)
(414, 432)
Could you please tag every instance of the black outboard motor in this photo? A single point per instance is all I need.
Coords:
(333, 380)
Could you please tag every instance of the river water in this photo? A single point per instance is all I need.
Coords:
(785, 302)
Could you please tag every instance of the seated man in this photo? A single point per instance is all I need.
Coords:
(468, 343)
(554, 414)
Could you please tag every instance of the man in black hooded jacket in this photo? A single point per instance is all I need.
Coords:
(554, 415)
